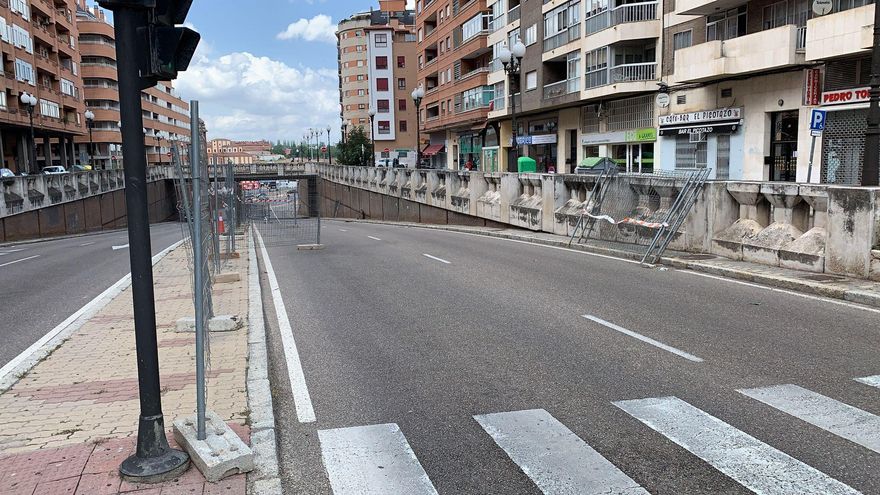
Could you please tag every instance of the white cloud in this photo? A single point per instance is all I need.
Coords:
(318, 28)
(243, 96)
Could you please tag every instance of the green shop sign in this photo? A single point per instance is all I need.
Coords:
(647, 134)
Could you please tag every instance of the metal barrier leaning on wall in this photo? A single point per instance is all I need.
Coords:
(286, 212)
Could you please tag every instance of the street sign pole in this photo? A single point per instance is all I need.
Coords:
(153, 460)
(817, 125)
(810, 167)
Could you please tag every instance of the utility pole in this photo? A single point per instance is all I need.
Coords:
(871, 164)
(148, 49)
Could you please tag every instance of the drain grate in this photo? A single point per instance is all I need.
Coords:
(824, 278)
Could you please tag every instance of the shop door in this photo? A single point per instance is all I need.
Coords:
(783, 146)
(490, 159)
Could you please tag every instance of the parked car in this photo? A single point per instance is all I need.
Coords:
(82, 168)
(6, 173)
(55, 169)
(384, 163)
(596, 165)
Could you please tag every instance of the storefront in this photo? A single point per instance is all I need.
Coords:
(707, 138)
(490, 160)
(632, 150)
(470, 151)
(843, 141)
(542, 148)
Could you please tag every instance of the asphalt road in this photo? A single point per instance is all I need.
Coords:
(439, 344)
(47, 281)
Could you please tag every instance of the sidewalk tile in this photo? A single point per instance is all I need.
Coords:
(99, 484)
(66, 486)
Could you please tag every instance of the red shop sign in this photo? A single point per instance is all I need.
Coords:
(839, 97)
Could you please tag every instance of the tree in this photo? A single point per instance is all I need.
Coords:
(356, 150)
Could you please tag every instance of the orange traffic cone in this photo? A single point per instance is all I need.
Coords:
(220, 225)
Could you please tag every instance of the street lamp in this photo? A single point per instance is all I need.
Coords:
(329, 158)
(90, 119)
(417, 96)
(373, 135)
(30, 102)
(512, 62)
(344, 130)
(159, 135)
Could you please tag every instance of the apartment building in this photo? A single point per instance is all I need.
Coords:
(165, 114)
(454, 63)
(377, 71)
(40, 58)
(222, 151)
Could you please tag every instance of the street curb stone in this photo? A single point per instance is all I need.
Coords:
(864, 297)
(264, 480)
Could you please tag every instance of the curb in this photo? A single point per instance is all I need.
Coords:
(20, 365)
(857, 296)
(265, 478)
(66, 236)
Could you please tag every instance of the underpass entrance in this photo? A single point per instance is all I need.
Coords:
(285, 210)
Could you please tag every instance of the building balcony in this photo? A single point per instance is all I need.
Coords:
(573, 33)
(840, 34)
(753, 53)
(475, 72)
(621, 79)
(705, 7)
(623, 14)
(562, 88)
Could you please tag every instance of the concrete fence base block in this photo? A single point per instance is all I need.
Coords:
(310, 247)
(222, 453)
(226, 278)
(220, 323)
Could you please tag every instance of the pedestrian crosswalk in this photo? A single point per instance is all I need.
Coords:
(378, 458)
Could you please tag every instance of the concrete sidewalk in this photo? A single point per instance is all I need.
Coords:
(853, 290)
(71, 419)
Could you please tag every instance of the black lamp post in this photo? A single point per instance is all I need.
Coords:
(158, 135)
(90, 120)
(372, 135)
(417, 96)
(329, 158)
(30, 102)
(871, 165)
(512, 62)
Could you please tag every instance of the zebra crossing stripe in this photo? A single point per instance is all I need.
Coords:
(748, 461)
(555, 459)
(873, 381)
(372, 460)
(833, 416)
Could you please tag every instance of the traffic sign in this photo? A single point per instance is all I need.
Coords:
(817, 120)
(387, 150)
(323, 149)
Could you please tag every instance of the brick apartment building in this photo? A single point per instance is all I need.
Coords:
(223, 151)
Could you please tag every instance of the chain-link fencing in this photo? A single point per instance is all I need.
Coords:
(285, 212)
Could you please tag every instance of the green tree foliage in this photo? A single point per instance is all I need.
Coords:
(356, 150)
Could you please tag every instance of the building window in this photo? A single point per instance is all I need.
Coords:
(531, 80)
(448, 45)
(401, 83)
(532, 34)
(21, 7)
(513, 37)
(401, 104)
(681, 40)
(22, 38)
(360, 77)
(381, 62)
(361, 92)
(384, 127)
(382, 84)
(382, 106)
(25, 72)
(50, 109)
(402, 125)
(381, 40)
(359, 48)
(68, 88)
(728, 25)
(401, 62)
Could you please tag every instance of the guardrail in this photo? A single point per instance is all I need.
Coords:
(631, 12)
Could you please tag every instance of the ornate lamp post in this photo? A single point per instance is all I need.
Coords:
(30, 102)
(159, 135)
(373, 135)
(90, 120)
(512, 62)
(417, 96)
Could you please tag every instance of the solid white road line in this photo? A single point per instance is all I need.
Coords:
(556, 459)
(32, 355)
(873, 381)
(647, 340)
(10, 251)
(426, 255)
(374, 238)
(372, 460)
(748, 461)
(831, 415)
(86, 244)
(789, 292)
(20, 260)
(343, 230)
(301, 398)
(117, 248)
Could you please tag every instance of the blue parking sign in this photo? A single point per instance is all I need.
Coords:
(817, 120)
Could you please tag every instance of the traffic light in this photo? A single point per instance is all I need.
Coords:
(167, 47)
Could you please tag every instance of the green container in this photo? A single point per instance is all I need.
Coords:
(526, 164)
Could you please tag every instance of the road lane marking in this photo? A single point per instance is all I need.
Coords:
(873, 381)
(833, 416)
(20, 260)
(774, 289)
(372, 460)
(555, 459)
(343, 230)
(86, 244)
(647, 340)
(117, 248)
(301, 398)
(748, 461)
(374, 238)
(441, 260)
(11, 251)
(52, 339)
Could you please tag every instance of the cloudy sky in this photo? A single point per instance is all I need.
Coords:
(266, 68)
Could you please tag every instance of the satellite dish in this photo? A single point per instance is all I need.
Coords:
(822, 7)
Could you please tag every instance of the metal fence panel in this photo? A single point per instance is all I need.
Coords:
(286, 212)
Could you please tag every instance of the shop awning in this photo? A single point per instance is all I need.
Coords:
(432, 150)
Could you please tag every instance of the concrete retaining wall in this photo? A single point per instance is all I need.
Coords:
(818, 228)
